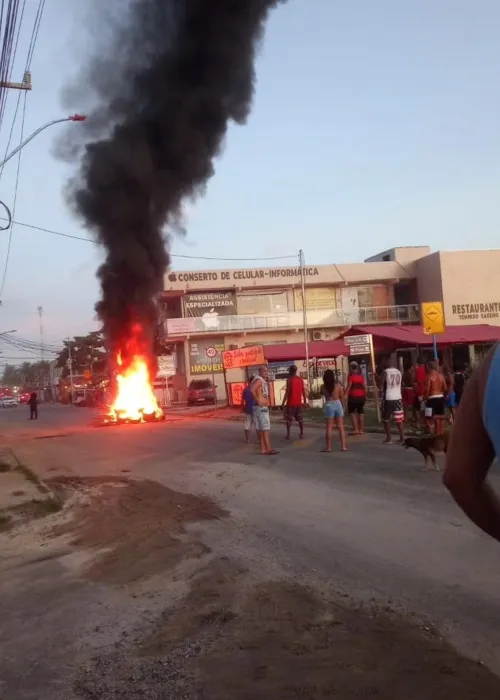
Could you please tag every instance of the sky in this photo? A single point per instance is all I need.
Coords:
(374, 124)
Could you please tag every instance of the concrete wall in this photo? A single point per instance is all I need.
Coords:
(428, 272)
(405, 255)
(471, 287)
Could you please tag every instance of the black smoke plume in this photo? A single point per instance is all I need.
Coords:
(167, 79)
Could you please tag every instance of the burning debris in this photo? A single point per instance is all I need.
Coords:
(165, 85)
(134, 399)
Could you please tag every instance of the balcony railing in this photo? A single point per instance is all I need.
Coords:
(213, 323)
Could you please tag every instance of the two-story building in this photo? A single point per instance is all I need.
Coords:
(231, 308)
(226, 309)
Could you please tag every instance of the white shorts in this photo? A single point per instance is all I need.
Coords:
(249, 421)
(262, 418)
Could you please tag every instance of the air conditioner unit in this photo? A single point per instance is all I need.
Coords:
(320, 335)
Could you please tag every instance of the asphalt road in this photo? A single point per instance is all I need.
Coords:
(367, 524)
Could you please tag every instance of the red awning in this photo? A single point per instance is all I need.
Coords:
(411, 336)
(297, 351)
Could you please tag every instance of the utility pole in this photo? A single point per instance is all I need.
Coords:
(70, 367)
(40, 314)
(304, 312)
(25, 85)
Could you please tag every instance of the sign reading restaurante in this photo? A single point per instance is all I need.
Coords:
(473, 312)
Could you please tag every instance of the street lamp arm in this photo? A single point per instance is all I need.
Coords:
(72, 118)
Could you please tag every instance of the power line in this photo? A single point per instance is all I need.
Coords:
(5, 94)
(176, 255)
(11, 230)
(34, 34)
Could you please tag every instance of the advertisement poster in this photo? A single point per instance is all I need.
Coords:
(236, 390)
(199, 362)
(219, 303)
(317, 299)
(244, 357)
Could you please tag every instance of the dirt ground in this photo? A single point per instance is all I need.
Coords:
(235, 634)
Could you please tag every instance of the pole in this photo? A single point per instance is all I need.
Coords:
(70, 363)
(213, 382)
(304, 313)
(40, 314)
(374, 375)
(73, 118)
(435, 347)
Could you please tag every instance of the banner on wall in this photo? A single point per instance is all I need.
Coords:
(243, 357)
(212, 303)
(199, 362)
(317, 299)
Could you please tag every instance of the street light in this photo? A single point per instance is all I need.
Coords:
(72, 118)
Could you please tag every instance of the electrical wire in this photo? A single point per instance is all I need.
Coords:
(2, 112)
(7, 44)
(11, 230)
(4, 73)
(172, 255)
(34, 35)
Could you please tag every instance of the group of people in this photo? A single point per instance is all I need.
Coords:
(337, 401)
(426, 389)
(432, 392)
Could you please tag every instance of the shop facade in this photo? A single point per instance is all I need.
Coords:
(227, 309)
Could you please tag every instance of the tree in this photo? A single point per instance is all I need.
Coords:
(88, 354)
(30, 375)
(11, 376)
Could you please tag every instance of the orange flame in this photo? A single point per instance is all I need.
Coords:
(135, 397)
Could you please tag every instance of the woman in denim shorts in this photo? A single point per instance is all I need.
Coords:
(334, 396)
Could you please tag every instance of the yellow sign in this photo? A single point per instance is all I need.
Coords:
(433, 318)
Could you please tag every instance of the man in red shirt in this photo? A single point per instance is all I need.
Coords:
(294, 401)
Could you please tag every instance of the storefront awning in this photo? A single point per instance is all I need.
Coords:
(297, 351)
(411, 336)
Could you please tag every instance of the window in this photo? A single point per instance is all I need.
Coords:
(261, 304)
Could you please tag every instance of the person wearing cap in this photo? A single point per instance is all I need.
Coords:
(356, 398)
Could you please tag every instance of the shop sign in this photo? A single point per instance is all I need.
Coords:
(181, 326)
(210, 303)
(317, 299)
(358, 344)
(166, 366)
(473, 312)
(199, 363)
(239, 276)
(243, 357)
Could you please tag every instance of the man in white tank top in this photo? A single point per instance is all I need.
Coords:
(392, 402)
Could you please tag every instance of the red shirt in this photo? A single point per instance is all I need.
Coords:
(358, 388)
(295, 391)
(420, 379)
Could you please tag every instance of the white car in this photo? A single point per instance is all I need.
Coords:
(7, 402)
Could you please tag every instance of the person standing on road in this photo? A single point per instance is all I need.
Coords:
(260, 391)
(435, 392)
(248, 404)
(392, 402)
(33, 404)
(294, 400)
(474, 444)
(334, 396)
(356, 398)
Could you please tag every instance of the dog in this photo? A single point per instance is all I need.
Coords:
(428, 445)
